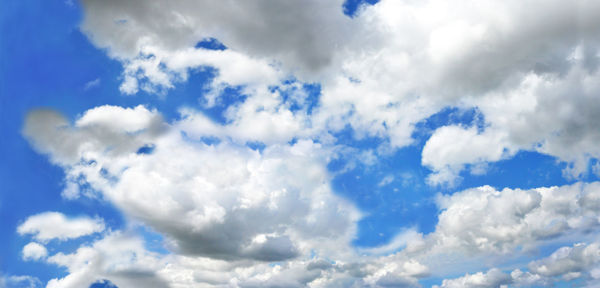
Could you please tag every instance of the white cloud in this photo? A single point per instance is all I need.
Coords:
(570, 262)
(530, 68)
(487, 220)
(34, 251)
(54, 225)
(580, 261)
(91, 84)
(492, 278)
(230, 202)
(450, 147)
(123, 260)
(391, 66)
(22, 281)
(386, 180)
(243, 207)
(120, 258)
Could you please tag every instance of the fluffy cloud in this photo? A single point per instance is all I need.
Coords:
(230, 209)
(54, 225)
(230, 202)
(117, 257)
(34, 251)
(226, 210)
(122, 258)
(450, 147)
(492, 278)
(570, 262)
(487, 220)
(239, 208)
(567, 263)
(391, 66)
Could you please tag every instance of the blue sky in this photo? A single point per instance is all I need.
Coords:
(386, 144)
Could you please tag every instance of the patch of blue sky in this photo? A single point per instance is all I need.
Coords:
(103, 284)
(153, 241)
(256, 145)
(391, 191)
(210, 44)
(146, 149)
(351, 6)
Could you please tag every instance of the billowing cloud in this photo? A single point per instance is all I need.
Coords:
(386, 69)
(487, 220)
(580, 261)
(54, 225)
(117, 257)
(229, 202)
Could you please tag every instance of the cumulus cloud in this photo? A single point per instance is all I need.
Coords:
(386, 69)
(226, 210)
(34, 251)
(118, 257)
(231, 202)
(580, 261)
(123, 259)
(492, 278)
(54, 225)
(237, 206)
(487, 220)
(570, 263)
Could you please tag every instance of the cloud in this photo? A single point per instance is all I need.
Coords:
(449, 148)
(239, 207)
(34, 251)
(117, 257)
(22, 281)
(492, 278)
(383, 71)
(580, 261)
(91, 84)
(54, 225)
(231, 202)
(122, 258)
(227, 210)
(487, 220)
(570, 262)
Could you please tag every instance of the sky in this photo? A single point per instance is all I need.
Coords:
(300, 143)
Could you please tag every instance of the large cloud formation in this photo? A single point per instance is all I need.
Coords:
(529, 67)
(234, 216)
(228, 211)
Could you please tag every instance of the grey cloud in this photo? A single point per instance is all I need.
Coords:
(301, 34)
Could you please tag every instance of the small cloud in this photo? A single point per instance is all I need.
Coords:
(53, 225)
(92, 84)
(386, 180)
(34, 251)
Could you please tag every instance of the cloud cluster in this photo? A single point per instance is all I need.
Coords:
(529, 67)
(230, 202)
(580, 261)
(486, 219)
(223, 205)
(234, 216)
